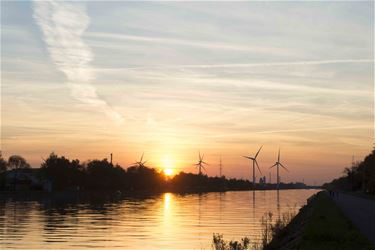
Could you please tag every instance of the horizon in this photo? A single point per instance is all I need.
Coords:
(171, 79)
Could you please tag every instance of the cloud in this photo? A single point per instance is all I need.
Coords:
(307, 129)
(249, 65)
(62, 25)
(271, 64)
(213, 45)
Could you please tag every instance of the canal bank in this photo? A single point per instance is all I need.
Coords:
(320, 224)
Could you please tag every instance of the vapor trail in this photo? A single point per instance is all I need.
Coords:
(250, 65)
(63, 24)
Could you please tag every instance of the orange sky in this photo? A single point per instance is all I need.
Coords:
(170, 79)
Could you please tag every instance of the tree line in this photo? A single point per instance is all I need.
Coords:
(358, 177)
(66, 174)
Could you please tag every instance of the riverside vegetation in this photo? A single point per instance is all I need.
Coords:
(270, 229)
(359, 178)
(101, 175)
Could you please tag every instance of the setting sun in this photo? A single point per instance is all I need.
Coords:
(168, 165)
(168, 171)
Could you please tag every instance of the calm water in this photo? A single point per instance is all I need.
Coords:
(166, 221)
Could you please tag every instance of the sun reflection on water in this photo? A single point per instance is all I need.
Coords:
(167, 201)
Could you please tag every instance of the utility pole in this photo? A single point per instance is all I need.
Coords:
(221, 168)
(111, 158)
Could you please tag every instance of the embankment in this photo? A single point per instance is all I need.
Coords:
(320, 225)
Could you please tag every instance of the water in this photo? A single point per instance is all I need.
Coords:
(166, 221)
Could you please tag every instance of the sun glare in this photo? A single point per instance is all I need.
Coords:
(168, 171)
(167, 165)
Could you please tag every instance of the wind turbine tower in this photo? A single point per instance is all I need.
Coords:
(201, 163)
(254, 159)
(278, 164)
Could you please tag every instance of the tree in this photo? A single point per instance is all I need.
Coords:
(3, 164)
(17, 162)
(63, 172)
(102, 175)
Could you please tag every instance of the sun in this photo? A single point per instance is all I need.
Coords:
(168, 166)
(168, 172)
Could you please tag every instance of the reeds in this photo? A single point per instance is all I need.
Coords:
(270, 229)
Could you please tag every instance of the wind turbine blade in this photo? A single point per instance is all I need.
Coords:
(284, 167)
(205, 163)
(246, 157)
(142, 157)
(278, 158)
(258, 152)
(273, 165)
(258, 167)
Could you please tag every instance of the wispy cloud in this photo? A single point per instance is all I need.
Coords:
(308, 129)
(271, 64)
(212, 45)
(62, 25)
(250, 65)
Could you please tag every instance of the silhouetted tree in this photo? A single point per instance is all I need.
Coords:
(101, 174)
(3, 168)
(358, 177)
(62, 172)
(17, 162)
(144, 178)
(3, 164)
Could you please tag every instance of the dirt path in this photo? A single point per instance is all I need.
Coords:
(360, 211)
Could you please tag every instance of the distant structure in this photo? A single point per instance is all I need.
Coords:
(111, 158)
(262, 180)
(353, 161)
(140, 163)
(254, 159)
(201, 163)
(269, 180)
(221, 168)
(278, 164)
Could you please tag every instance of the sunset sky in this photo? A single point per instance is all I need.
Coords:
(172, 78)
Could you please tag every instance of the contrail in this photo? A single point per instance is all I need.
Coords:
(295, 63)
(294, 130)
(62, 25)
(250, 65)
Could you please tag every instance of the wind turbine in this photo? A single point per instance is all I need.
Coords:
(140, 163)
(278, 164)
(201, 164)
(254, 159)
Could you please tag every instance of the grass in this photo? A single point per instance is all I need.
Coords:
(328, 228)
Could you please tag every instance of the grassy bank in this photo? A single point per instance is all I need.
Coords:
(320, 225)
(328, 228)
